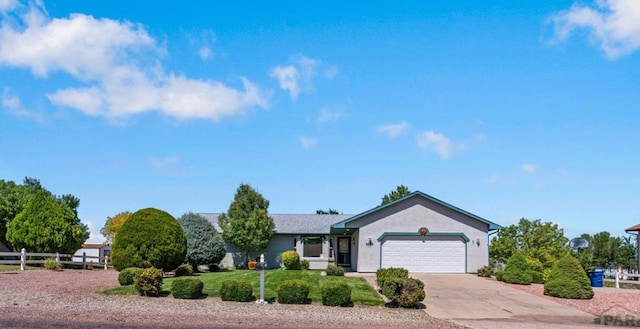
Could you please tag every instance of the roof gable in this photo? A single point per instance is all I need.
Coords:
(492, 225)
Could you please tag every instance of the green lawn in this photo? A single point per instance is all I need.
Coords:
(4, 267)
(361, 291)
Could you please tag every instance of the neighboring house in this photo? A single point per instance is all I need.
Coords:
(636, 230)
(92, 250)
(417, 232)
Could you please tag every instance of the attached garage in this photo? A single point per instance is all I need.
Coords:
(425, 254)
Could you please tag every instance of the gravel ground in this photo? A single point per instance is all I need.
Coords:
(71, 299)
(606, 301)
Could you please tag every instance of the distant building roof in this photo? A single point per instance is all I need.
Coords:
(294, 223)
(635, 228)
(94, 245)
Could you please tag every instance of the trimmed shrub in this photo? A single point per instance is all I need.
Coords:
(499, 275)
(405, 292)
(183, 270)
(291, 260)
(204, 244)
(187, 288)
(236, 290)
(148, 281)
(304, 264)
(485, 271)
(537, 277)
(333, 270)
(293, 292)
(336, 293)
(50, 264)
(150, 237)
(568, 280)
(517, 270)
(411, 293)
(391, 287)
(125, 277)
(383, 274)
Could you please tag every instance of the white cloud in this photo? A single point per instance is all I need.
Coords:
(8, 5)
(94, 232)
(118, 65)
(328, 115)
(206, 52)
(393, 130)
(13, 104)
(529, 168)
(439, 143)
(171, 166)
(308, 142)
(613, 25)
(297, 76)
(495, 179)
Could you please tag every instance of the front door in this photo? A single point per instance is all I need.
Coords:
(344, 251)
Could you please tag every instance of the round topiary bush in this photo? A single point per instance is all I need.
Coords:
(336, 293)
(568, 280)
(150, 237)
(148, 281)
(517, 270)
(293, 292)
(291, 260)
(125, 277)
(236, 290)
(183, 270)
(187, 288)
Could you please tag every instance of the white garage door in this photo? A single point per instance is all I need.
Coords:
(425, 255)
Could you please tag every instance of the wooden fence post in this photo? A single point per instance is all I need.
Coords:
(58, 258)
(617, 279)
(23, 259)
(106, 262)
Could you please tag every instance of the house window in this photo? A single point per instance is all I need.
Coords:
(312, 246)
(295, 243)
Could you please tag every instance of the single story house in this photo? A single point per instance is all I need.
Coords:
(94, 252)
(417, 232)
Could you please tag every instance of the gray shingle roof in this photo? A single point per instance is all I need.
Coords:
(294, 223)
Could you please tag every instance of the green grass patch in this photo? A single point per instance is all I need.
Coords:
(4, 267)
(361, 292)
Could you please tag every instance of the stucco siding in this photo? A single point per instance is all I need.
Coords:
(409, 216)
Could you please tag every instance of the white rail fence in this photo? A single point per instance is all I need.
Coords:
(622, 277)
(25, 258)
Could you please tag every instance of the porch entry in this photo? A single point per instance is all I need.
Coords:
(344, 251)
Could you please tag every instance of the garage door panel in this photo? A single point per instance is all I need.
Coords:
(424, 255)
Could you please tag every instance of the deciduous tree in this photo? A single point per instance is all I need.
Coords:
(247, 224)
(542, 243)
(113, 225)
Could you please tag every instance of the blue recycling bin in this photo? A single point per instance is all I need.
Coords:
(597, 278)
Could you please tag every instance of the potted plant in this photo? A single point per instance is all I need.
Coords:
(251, 264)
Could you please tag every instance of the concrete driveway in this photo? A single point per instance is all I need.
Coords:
(484, 303)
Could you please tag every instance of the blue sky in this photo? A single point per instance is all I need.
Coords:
(504, 109)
